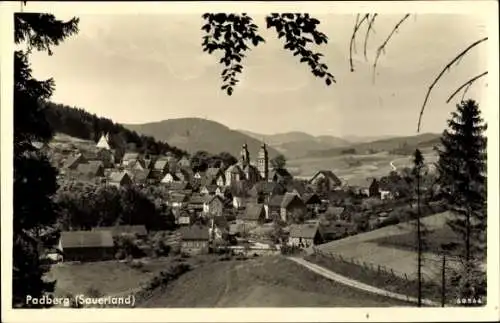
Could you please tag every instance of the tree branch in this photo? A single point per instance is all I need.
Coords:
(446, 68)
(353, 37)
(370, 28)
(466, 84)
(381, 48)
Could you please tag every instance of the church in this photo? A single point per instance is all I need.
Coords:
(245, 170)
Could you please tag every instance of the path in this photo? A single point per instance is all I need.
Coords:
(392, 165)
(356, 284)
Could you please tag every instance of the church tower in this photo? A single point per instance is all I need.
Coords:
(263, 162)
(245, 156)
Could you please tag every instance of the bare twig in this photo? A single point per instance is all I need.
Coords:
(381, 48)
(370, 28)
(446, 68)
(467, 85)
(353, 37)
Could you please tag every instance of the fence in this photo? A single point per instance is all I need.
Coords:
(379, 269)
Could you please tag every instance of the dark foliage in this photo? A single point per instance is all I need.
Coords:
(34, 177)
(233, 34)
(82, 124)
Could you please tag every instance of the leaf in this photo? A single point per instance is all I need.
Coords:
(328, 81)
(224, 86)
(229, 91)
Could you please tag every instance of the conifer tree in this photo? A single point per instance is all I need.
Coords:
(462, 176)
(34, 177)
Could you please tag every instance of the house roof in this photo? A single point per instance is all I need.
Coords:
(234, 169)
(178, 186)
(178, 198)
(311, 198)
(276, 200)
(334, 210)
(268, 188)
(195, 232)
(197, 199)
(124, 229)
(328, 174)
(184, 219)
(211, 188)
(289, 198)
(130, 156)
(307, 231)
(86, 239)
(280, 172)
(213, 171)
(296, 186)
(210, 199)
(220, 222)
(160, 164)
(92, 167)
(117, 177)
(141, 175)
(253, 212)
(73, 160)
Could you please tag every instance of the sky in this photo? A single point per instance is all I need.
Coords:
(140, 68)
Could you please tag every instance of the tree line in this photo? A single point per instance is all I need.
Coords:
(79, 123)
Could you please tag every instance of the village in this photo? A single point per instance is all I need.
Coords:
(244, 208)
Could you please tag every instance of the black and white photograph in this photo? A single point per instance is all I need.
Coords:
(256, 156)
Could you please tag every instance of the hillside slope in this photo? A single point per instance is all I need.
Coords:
(193, 134)
(260, 282)
(298, 144)
(425, 140)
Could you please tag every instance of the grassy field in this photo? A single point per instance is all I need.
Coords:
(378, 279)
(260, 282)
(365, 248)
(108, 277)
(373, 165)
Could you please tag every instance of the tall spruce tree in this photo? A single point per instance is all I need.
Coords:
(462, 176)
(34, 177)
(418, 164)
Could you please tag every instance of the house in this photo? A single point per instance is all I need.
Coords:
(386, 195)
(292, 208)
(91, 169)
(196, 202)
(107, 157)
(273, 207)
(103, 142)
(335, 213)
(183, 175)
(263, 190)
(184, 162)
(120, 230)
(327, 179)
(87, 245)
(213, 205)
(161, 166)
(178, 200)
(194, 239)
(337, 230)
(304, 235)
(119, 179)
(136, 165)
(238, 202)
(73, 161)
(169, 177)
(184, 220)
(130, 159)
(280, 175)
(142, 177)
(296, 188)
(208, 189)
(219, 228)
(178, 187)
(223, 191)
(254, 213)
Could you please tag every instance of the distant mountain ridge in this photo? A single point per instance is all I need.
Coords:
(194, 134)
(424, 140)
(298, 144)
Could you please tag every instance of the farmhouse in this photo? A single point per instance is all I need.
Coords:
(292, 206)
(196, 202)
(142, 176)
(91, 169)
(213, 205)
(119, 179)
(73, 161)
(169, 177)
(208, 189)
(178, 200)
(262, 191)
(161, 166)
(194, 239)
(254, 213)
(327, 178)
(305, 235)
(280, 175)
(87, 245)
(128, 158)
(121, 230)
